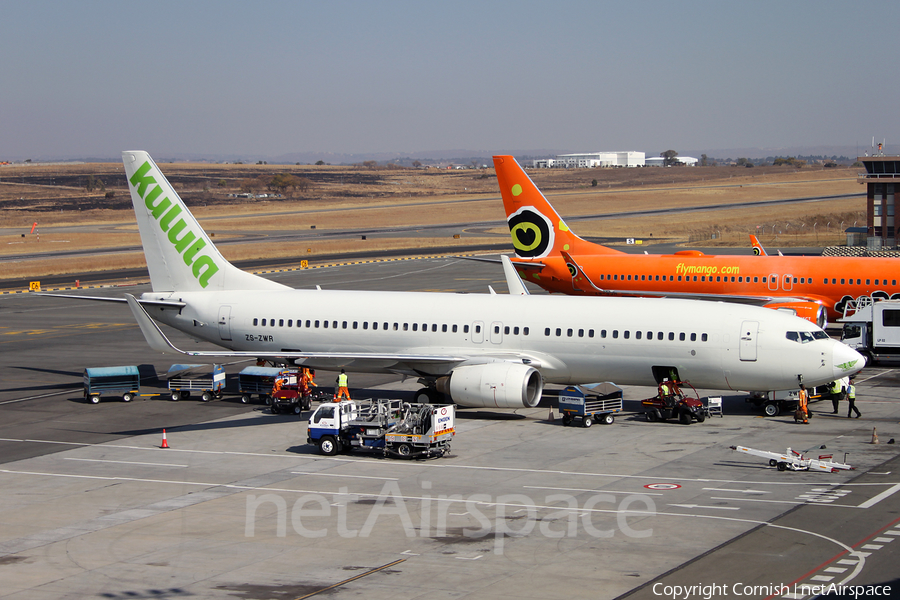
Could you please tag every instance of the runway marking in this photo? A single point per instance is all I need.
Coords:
(562, 489)
(736, 491)
(339, 475)
(374, 463)
(701, 506)
(795, 502)
(124, 462)
(70, 391)
(861, 556)
(885, 494)
(883, 540)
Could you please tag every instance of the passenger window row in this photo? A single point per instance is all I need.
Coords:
(737, 279)
(626, 334)
(383, 326)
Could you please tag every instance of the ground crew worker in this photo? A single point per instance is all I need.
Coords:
(310, 376)
(837, 391)
(803, 400)
(279, 383)
(851, 400)
(664, 391)
(342, 381)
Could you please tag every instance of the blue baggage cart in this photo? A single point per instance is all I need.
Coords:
(124, 382)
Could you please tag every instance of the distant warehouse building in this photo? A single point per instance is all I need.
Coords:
(594, 159)
(659, 161)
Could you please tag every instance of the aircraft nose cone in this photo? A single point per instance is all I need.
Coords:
(847, 361)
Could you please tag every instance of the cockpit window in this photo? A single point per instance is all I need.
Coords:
(805, 337)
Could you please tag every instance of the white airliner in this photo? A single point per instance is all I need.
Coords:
(484, 350)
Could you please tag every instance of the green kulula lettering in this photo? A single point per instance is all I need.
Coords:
(203, 274)
(186, 239)
(152, 196)
(191, 252)
(141, 180)
(167, 219)
(160, 208)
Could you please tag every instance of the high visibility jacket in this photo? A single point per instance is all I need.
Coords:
(836, 387)
(664, 389)
(851, 392)
(342, 380)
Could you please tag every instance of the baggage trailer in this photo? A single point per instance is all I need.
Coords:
(257, 381)
(388, 427)
(594, 402)
(124, 382)
(208, 380)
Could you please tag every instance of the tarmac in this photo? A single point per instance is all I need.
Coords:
(239, 506)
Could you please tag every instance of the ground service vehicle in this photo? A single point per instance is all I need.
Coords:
(873, 328)
(792, 460)
(124, 382)
(257, 381)
(291, 395)
(672, 402)
(775, 403)
(390, 427)
(208, 380)
(595, 402)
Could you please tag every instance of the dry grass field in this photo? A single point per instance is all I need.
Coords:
(85, 206)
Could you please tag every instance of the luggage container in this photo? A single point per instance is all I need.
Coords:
(257, 381)
(124, 382)
(208, 380)
(594, 402)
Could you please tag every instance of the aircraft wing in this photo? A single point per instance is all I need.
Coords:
(162, 303)
(518, 262)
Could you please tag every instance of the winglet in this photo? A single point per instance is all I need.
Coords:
(580, 280)
(513, 281)
(156, 339)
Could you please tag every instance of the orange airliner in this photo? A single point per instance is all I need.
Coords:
(550, 255)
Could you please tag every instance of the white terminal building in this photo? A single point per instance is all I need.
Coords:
(590, 160)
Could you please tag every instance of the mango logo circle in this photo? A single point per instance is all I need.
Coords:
(532, 233)
(572, 270)
(517, 190)
(756, 251)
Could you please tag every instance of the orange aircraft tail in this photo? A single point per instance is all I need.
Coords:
(537, 229)
(757, 247)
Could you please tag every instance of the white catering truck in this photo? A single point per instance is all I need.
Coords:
(873, 329)
(391, 427)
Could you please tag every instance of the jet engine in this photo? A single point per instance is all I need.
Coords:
(812, 312)
(494, 385)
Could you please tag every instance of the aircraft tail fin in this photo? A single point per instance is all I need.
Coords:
(180, 256)
(537, 229)
(757, 247)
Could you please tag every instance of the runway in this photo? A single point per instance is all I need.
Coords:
(241, 507)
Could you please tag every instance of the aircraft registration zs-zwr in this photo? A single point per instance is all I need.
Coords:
(483, 350)
(550, 255)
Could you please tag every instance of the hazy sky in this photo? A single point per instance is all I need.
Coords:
(263, 78)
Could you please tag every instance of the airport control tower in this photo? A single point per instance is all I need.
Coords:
(882, 179)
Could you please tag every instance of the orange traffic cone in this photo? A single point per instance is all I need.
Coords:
(874, 436)
(165, 444)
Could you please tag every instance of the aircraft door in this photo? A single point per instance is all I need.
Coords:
(787, 285)
(225, 322)
(477, 332)
(749, 331)
(496, 332)
(773, 281)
